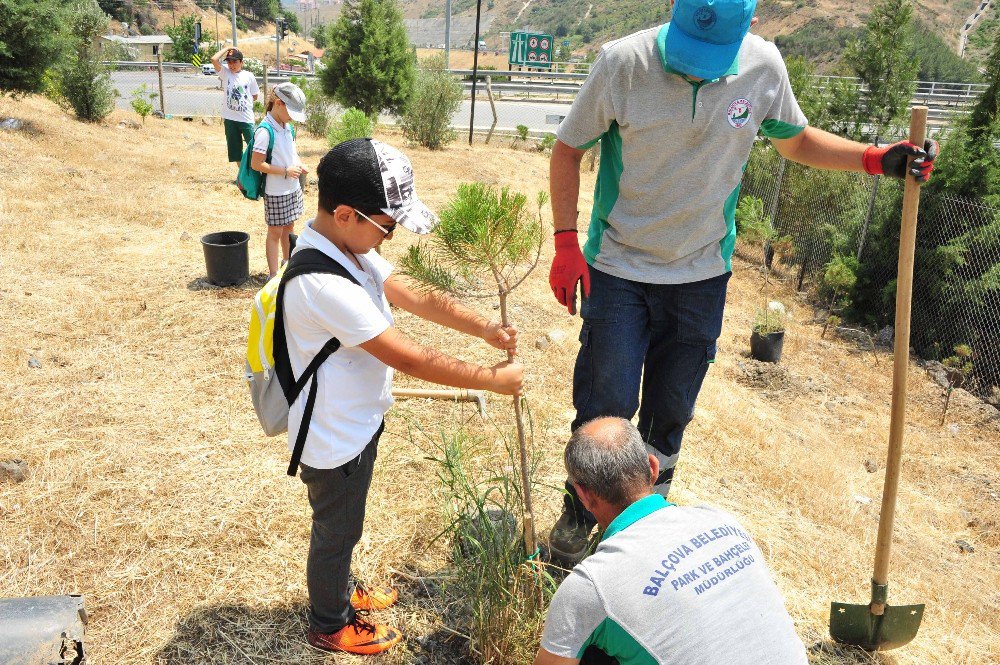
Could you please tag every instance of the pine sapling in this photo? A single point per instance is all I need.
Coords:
(488, 242)
(959, 368)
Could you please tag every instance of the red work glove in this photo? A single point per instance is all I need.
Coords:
(891, 160)
(568, 268)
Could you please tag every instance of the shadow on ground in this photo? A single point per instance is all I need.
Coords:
(249, 288)
(827, 652)
(241, 634)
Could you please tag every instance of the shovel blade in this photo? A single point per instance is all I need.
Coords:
(856, 625)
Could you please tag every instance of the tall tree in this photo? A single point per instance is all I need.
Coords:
(31, 40)
(84, 82)
(369, 65)
(182, 35)
(880, 58)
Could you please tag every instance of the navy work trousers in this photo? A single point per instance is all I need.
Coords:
(662, 336)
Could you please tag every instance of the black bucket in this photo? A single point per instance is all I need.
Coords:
(227, 257)
(767, 348)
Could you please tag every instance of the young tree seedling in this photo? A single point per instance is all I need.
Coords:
(487, 243)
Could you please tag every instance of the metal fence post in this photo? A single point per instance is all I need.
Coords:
(159, 73)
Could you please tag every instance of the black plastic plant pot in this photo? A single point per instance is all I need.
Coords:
(227, 257)
(767, 348)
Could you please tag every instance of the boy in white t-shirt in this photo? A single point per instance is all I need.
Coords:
(366, 188)
(240, 92)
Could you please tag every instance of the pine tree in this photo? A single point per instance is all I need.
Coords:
(368, 62)
(881, 60)
(31, 41)
(82, 79)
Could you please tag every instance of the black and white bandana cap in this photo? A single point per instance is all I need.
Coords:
(401, 199)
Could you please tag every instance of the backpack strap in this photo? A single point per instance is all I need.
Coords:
(264, 124)
(305, 261)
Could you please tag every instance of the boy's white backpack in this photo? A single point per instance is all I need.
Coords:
(273, 388)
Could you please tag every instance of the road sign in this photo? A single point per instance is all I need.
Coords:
(530, 48)
(196, 60)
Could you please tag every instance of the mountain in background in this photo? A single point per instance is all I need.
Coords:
(815, 29)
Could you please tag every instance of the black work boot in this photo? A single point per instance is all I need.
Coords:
(569, 540)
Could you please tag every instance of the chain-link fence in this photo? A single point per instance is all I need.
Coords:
(855, 218)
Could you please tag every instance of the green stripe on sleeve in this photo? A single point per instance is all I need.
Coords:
(609, 175)
(612, 639)
(776, 129)
(728, 243)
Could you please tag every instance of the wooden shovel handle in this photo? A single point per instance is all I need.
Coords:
(904, 293)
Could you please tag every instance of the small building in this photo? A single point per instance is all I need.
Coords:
(140, 48)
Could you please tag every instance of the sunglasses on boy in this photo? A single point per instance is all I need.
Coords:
(386, 230)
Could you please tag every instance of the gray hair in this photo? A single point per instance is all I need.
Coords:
(609, 459)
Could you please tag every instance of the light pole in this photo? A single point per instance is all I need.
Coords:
(232, 6)
(447, 34)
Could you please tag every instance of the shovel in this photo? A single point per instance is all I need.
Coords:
(877, 625)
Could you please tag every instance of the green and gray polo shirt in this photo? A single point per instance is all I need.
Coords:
(671, 584)
(673, 151)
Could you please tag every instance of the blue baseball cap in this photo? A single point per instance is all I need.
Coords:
(704, 36)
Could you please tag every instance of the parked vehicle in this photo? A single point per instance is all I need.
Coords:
(208, 69)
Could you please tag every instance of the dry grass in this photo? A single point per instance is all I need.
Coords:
(153, 493)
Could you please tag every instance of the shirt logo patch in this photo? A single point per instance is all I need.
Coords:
(739, 112)
(705, 18)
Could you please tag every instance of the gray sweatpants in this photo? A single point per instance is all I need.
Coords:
(337, 497)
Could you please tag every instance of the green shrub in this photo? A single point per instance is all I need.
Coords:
(30, 43)
(769, 321)
(427, 119)
(353, 124)
(254, 65)
(547, 142)
(501, 596)
(319, 112)
(142, 101)
(83, 81)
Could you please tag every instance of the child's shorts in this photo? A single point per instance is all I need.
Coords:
(283, 209)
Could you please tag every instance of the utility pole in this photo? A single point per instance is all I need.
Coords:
(232, 5)
(475, 70)
(277, 44)
(447, 34)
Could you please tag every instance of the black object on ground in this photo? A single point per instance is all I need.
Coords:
(227, 257)
(767, 348)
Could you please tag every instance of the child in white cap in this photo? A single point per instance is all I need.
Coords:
(279, 161)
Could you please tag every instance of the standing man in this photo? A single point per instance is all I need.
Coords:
(677, 109)
(240, 91)
(668, 584)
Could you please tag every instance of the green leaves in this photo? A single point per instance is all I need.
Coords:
(31, 41)
(368, 62)
(485, 235)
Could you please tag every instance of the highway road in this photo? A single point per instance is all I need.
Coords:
(196, 94)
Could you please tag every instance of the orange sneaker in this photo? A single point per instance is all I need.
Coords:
(369, 599)
(359, 636)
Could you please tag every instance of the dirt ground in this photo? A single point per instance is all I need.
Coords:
(152, 491)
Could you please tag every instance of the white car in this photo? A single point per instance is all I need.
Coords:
(208, 70)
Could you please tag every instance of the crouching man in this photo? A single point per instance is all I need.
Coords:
(667, 584)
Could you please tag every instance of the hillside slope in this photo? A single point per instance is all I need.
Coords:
(601, 20)
(152, 491)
